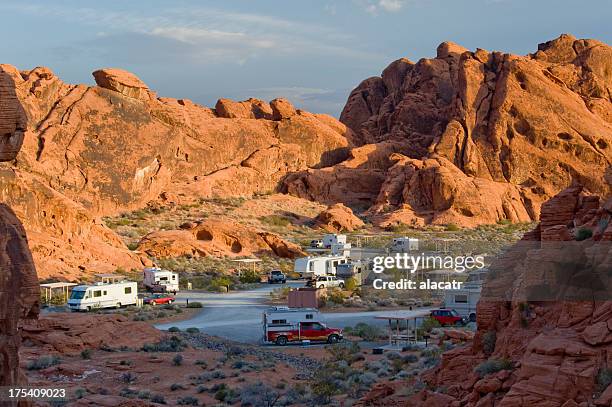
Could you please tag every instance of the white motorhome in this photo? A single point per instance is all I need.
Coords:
(318, 266)
(158, 280)
(331, 239)
(404, 244)
(355, 269)
(103, 295)
(464, 300)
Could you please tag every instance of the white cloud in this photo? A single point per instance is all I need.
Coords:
(211, 34)
(374, 7)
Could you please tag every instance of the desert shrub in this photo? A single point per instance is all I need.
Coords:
(202, 363)
(429, 323)
(126, 363)
(604, 378)
(220, 284)
(367, 332)
(258, 395)
(80, 393)
(583, 234)
(488, 342)
(86, 354)
(174, 329)
(194, 304)
(188, 401)
(493, 366)
(133, 246)
(158, 398)
(43, 362)
(335, 296)
(127, 377)
(249, 277)
(351, 284)
(343, 352)
(176, 386)
(173, 344)
(410, 358)
(177, 360)
(144, 394)
(192, 330)
(275, 220)
(451, 227)
(223, 393)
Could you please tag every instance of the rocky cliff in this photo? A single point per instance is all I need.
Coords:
(473, 137)
(19, 291)
(98, 150)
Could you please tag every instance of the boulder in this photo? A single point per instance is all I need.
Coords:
(123, 82)
(282, 109)
(248, 109)
(338, 218)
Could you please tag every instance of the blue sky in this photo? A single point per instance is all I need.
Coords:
(313, 52)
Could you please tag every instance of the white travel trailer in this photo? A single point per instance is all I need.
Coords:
(318, 266)
(404, 244)
(158, 280)
(332, 239)
(341, 249)
(103, 295)
(464, 300)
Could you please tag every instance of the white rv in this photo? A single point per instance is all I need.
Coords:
(318, 266)
(103, 295)
(464, 300)
(404, 244)
(332, 239)
(158, 280)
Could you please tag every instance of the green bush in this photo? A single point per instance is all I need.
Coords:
(367, 332)
(158, 398)
(429, 323)
(173, 344)
(188, 401)
(351, 284)
(493, 366)
(583, 234)
(275, 220)
(177, 360)
(174, 329)
(249, 277)
(43, 362)
(604, 378)
(451, 227)
(220, 284)
(488, 342)
(335, 296)
(192, 330)
(86, 354)
(195, 304)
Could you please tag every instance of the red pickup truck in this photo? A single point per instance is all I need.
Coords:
(284, 325)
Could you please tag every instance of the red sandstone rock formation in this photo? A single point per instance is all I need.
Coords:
(338, 218)
(216, 238)
(484, 135)
(19, 290)
(91, 151)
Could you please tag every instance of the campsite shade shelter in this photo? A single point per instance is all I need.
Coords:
(409, 319)
(49, 288)
(253, 262)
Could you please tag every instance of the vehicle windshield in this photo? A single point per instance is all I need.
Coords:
(77, 295)
(454, 313)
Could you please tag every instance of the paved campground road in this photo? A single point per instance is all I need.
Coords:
(238, 315)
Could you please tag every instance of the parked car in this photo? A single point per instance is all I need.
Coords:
(325, 282)
(277, 276)
(316, 244)
(158, 299)
(448, 317)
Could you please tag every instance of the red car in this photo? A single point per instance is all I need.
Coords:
(447, 317)
(158, 299)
